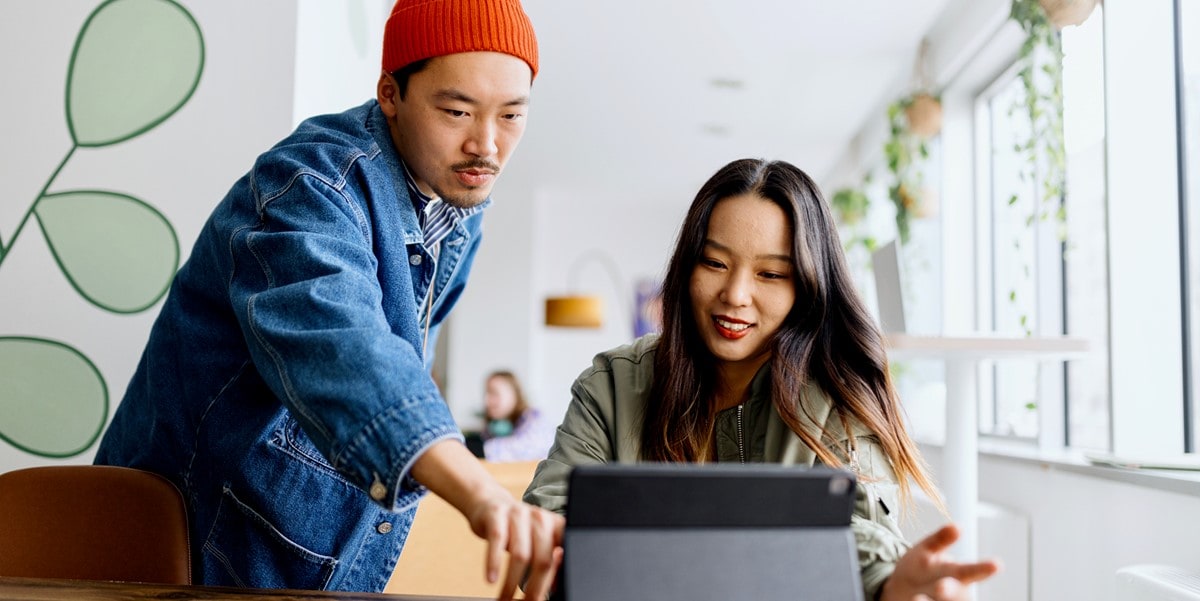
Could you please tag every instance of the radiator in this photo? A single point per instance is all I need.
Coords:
(1157, 583)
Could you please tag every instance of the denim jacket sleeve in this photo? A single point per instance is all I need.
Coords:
(305, 288)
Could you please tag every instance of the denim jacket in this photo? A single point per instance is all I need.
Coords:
(285, 388)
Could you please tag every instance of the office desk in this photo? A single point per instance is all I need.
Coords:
(36, 589)
(962, 355)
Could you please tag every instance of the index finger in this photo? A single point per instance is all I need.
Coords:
(941, 540)
(973, 572)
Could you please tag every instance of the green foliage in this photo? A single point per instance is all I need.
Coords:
(1041, 61)
(905, 153)
(1040, 71)
(850, 206)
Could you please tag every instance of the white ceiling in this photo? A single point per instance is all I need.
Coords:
(626, 96)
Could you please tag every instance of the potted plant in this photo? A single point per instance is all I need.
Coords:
(1040, 72)
(1063, 13)
(924, 114)
(850, 206)
(905, 151)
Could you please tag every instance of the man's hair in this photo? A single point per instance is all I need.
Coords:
(402, 74)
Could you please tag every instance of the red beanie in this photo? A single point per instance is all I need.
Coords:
(420, 29)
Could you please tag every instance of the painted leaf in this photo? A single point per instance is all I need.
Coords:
(135, 63)
(55, 401)
(116, 250)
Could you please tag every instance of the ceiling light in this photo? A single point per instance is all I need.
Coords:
(727, 83)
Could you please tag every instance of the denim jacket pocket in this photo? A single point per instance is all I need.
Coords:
(291, 439)
(245, 550)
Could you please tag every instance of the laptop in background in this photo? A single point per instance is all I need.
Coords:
(885, 263)
(474, 442)
(710, 532)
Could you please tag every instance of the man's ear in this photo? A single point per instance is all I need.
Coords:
(387, 92)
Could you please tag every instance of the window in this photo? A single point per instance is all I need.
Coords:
(1188, 28)
(1045, 276)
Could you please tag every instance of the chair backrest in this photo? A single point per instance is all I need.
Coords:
(92, 522)
(442, 556)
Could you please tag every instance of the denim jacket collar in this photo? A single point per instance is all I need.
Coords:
(410, 223)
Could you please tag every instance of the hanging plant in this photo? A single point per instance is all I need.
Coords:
(1063, 13)
(1040, 66)
(906, 152)
(1040, 61)
(924, 114)
(850, 206)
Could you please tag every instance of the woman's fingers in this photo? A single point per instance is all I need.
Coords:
(973, 572)
(940, 540)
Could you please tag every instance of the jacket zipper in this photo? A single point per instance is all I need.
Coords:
(740, 437)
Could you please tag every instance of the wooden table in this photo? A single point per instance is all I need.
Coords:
(36, 589)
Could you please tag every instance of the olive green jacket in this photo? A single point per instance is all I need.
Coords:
(603, 424)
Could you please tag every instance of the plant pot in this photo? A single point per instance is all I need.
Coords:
(924, 116)
(1063, 13)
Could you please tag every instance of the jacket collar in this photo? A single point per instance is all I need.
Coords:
(410, 224)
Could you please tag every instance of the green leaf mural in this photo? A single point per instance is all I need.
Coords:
(135, 63)
(54, 402)
(116, 250)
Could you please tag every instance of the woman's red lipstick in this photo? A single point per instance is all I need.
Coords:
(731, 328)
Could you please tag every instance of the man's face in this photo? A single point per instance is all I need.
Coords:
(459, 121)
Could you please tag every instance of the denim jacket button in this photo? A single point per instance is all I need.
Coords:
(414, 259)
(378, 491)
(384, 528)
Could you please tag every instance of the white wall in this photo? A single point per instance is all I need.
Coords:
(338, 49)
(533, 239)
(637, 234)
(182, 168)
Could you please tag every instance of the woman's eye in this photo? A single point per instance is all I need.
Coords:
(774, 276)
(715, 264)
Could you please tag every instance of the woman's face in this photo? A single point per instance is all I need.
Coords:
(742, 288)
(500, 398)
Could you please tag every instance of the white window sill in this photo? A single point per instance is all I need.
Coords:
(1073, 461)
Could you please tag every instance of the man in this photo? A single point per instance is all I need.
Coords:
(285, 388)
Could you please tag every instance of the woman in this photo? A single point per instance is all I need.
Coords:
(513, 431)
(767, 355)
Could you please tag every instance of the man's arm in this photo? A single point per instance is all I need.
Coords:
(532, 536)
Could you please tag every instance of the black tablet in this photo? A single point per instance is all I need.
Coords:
(717, 531)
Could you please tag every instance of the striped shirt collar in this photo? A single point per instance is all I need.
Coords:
(437, 218)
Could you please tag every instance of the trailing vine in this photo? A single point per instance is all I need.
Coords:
(905, 152)
(1040, 65)
(1041, 61)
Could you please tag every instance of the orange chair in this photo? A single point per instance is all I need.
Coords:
(91, 522)
(442, 556)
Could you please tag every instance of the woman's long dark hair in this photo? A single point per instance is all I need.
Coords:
(828, 337)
